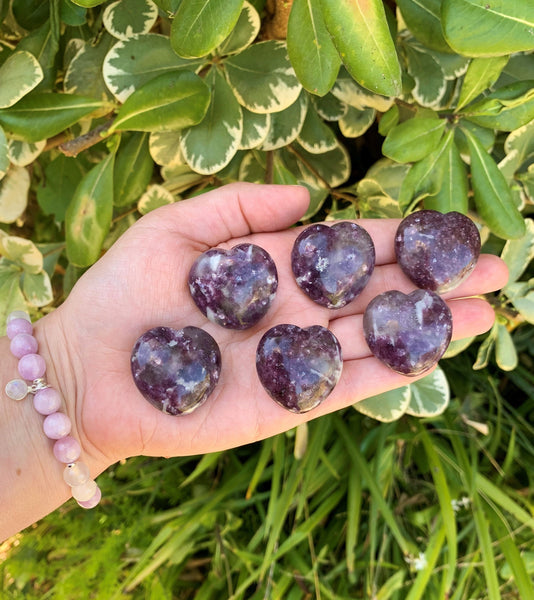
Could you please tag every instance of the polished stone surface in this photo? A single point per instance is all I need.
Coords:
(333, 264)
(234, 288)
(408, 332)
(298, 367)
(176, 370)
(437, 251)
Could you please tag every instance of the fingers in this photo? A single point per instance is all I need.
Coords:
(470, 317)
(234, 211)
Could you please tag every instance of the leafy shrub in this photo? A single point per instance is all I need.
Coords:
(111, 109)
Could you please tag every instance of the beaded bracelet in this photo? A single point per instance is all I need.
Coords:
(47, 401)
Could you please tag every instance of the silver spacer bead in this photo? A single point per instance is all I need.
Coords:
(38, 384)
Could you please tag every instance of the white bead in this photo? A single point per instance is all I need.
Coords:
(17, 389)
(84, 491)
(18, 314)
(76, 473)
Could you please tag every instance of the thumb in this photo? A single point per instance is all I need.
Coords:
(235, 210)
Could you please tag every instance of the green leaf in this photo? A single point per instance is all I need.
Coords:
(61, 177)
(458, 346)
(506, 108)
(525, 306)
(262, 77)
(22, 153)
(72, 15)
(39, 116)
(360, 32)
(505, 352)
(11, 297)
(485, 348)
(37, 288)
(413, 140)
(482, 28)
(20, 73)
(244, 33)
(452, 194)
(30, 14)
(88, 3)
(126, 18)
(4, 154)
(356, 122)
(154, 197)
(14, 188)
(315, 135)
(23, 253)
(255, 129)
(133, 169)
(132, 63)
(388, 120)
(211, 145)
(311, 50)
(88, 217)
(171, 101)
(481, 74)
(424, 21)
(430, 395)
(386, 407)
(200, 26)
(518, 253)
(492, 195)
(285, 125)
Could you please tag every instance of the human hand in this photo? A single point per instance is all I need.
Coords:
(141, 283)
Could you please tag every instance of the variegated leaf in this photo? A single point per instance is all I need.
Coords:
(24, 153)
(14, 189)
(4, 153)
(255, 129)
(348, 91)
(332, 167)
(37, 288)
(164, 147)
(23, 253)
(262, 77)
(11, 297)
(386, 407)
(126, 18)
(244, 33)
(356, 122)
(329, 107)
(154, 197)
(20, 73)
(209, 146)
(430, 84)
(133, 62)
(430, 395)
(315, 136)
(286, 124)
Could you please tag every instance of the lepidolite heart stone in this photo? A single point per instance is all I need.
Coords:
(437, 251)
(234, 288)
(176, 370)
(298, 367)
(408, 333)
(333, 264)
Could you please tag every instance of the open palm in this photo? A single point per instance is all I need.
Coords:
(141, 283)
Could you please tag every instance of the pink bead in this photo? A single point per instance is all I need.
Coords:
(67, 450)
(47, 401)
(92, 502)
(16, 326)
(56, 426)
(22, 344)
(32, 366)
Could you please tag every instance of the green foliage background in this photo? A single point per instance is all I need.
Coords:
(111, 109)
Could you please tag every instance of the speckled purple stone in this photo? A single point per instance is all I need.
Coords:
(437, 251)
(298, 367)
(408, 332)
(176, 370)
(234, 288)
(333, 264)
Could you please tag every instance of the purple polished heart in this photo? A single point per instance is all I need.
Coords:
(176, 370)
(408, 333)
(299, 367)
(333, 264)
(234, 288)
(437, 251)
